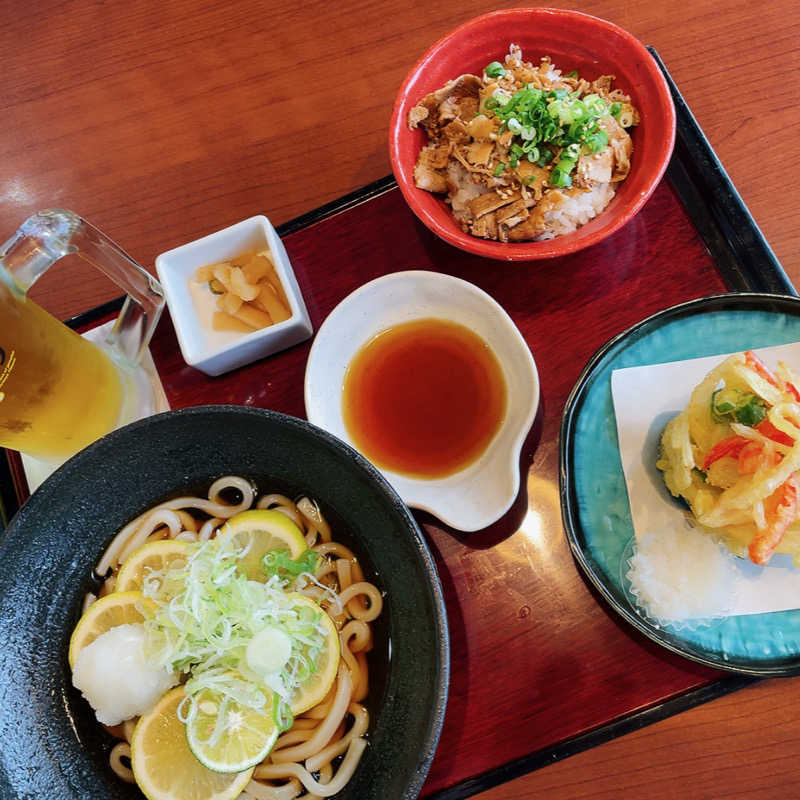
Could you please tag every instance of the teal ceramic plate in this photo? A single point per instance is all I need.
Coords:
(596, 513)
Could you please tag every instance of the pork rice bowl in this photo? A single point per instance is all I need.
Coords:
(524, 152)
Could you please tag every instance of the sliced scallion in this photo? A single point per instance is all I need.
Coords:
(547, 122)
(495, 70)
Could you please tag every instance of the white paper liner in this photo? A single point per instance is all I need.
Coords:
(645, 398)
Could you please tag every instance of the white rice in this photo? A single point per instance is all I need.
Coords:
(576, 209)
(466, 190)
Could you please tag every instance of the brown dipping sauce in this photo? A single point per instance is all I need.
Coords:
(424, 398)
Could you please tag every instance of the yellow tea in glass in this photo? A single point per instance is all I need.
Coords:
(58, 391)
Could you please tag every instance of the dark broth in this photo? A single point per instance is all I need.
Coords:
(424, 398)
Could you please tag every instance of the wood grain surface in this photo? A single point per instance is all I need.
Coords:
(161, 122)
(742, 747)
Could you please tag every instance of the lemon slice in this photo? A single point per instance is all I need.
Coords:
(267, 530)
(247, 737)
(319, 684)
(161, 555)
(117, 608)
(164, 766)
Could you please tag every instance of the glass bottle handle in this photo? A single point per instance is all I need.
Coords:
(49, 235)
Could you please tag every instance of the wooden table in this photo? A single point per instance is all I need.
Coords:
(163, 122)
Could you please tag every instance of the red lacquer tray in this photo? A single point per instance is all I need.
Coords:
(541, 667)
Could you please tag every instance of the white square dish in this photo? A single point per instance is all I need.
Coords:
(216, 352)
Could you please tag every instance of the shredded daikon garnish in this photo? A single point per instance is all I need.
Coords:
(206, 614)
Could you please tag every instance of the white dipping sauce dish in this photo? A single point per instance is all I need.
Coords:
(482, 492)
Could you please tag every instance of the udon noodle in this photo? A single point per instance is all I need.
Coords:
(320, 752)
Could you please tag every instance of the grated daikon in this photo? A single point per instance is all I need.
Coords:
(679, 574)
(114, 676)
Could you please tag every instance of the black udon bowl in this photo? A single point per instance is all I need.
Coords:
(52, 745)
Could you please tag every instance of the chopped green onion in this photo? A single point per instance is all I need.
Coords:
(597, 141)
(204, 615)
(700, 473)
(533, 155)
(542, 121)
(281, 713)
(578, 110)
(573, 73)
(495, 70)
(732, 404)
(545, 158)
(560, 178)
(752, 413)
(277, 562)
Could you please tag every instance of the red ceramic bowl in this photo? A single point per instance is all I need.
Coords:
(573, 41)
